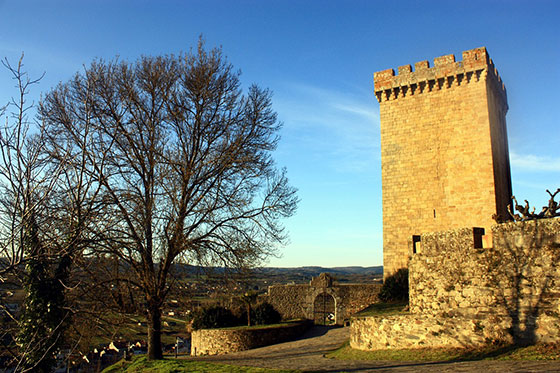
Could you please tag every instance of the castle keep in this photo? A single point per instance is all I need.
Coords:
(444, 150)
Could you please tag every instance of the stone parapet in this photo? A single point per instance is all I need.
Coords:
(451, 274)
(445, 73)
(224, 341)
(297, 301)
(518, 278)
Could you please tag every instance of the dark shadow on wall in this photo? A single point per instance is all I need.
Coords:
(523, 268)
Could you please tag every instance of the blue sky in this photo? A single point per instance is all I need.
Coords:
(318, 57)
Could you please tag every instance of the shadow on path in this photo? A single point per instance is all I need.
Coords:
(317, 331)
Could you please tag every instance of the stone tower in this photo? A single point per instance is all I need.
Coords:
(444, 150)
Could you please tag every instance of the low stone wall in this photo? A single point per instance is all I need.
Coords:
(223, 341)
(417, 331)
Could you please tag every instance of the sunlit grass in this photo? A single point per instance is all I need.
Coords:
(141, 364)
(549, 351)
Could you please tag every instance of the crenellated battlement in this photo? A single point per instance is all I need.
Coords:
(445, 73)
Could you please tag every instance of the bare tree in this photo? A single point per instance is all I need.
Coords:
(48, 204)
(24, 258)
(187, 169)
(21, 172)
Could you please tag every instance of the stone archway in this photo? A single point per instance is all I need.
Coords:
(301, 301)
(324, 309)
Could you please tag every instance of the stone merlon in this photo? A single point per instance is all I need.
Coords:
(445, 69)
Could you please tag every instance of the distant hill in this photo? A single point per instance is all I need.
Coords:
(314, 271)
(304, 274)
(277, 275)
(280, 275)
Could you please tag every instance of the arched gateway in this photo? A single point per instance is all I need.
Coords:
(323, 300)
(324, 309)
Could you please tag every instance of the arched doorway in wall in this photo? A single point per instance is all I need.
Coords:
(324, 309)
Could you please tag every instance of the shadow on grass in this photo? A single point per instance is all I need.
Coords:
(550, 351)
(492, 353)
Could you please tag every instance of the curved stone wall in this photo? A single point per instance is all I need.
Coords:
(223, 341)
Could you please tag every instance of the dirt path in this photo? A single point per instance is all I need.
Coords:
(307, 354)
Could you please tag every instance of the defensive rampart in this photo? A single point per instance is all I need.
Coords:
(301, 301)
(462, 294)
(519, 276)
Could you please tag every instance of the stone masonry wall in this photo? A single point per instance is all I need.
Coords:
(356, 297)
(462, 294)
(518, 278)
(444, 151)
(297, 301)
(417, 331)
(289, 300)
(223, 341)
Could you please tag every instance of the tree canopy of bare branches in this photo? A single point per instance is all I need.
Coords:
(183, 162)
(25, 186)
(48, 205)
(22, 176)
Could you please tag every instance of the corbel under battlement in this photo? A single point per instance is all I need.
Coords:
(445, 73)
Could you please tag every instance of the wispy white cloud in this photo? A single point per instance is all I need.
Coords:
(357, 109)
(530, 162)
(341, 127)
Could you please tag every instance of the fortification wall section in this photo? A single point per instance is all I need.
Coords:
(518, 278)
(451, 273)
(297, 301)
(289, 300)
(444, 154)
(356, 297)
(418, 331)
(462, 294)
(224, 341)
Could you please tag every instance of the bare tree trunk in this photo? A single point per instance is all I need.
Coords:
(154, 333)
